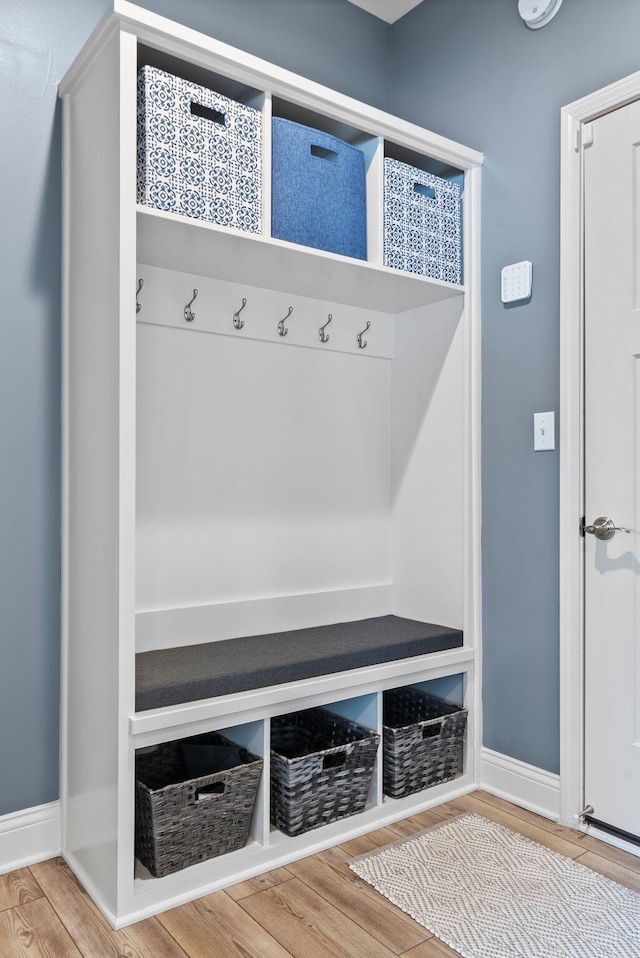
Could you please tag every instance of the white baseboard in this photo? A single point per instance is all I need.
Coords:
(522, 784)
(30, 835)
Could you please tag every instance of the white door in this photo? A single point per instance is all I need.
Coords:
(612, 469)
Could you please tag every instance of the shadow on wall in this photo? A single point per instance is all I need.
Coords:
(35, 527)
(46, 271)
(45, 276)
(423, 344)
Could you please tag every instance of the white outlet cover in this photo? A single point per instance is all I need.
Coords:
(544, 431)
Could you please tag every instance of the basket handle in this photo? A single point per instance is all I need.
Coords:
(207, 113)
(334, 760)
(423, 190)
(322, 153)
(208, 792)
(432, 731)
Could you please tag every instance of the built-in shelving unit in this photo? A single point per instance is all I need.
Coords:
(226, 480)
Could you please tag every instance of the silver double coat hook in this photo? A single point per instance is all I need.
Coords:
(322, 336)
(237, 322)
(189, 315)
(362, 343)
(282, 330)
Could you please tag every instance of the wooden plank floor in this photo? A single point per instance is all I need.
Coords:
(314, 908)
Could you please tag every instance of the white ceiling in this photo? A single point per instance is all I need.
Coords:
(389, 10)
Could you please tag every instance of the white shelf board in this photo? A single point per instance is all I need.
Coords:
(171, 241)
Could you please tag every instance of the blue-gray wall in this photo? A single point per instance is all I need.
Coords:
(471, 70)
(330, 41)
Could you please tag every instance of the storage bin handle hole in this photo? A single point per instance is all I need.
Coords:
(207, 113)
(424, 190)
(324, 154)
(432, 731)
(207, 792)
(334, 761)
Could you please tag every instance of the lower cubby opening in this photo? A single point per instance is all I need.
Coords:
(198, 798)
(323, 764)
(424, 733)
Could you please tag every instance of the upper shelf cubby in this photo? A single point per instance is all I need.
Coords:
(288, 110)
(203, 76)
(428, 164)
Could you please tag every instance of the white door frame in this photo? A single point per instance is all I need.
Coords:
(574, 118)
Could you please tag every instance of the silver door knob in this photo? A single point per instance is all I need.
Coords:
(604, 528)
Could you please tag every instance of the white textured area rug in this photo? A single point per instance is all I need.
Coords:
(488, 892)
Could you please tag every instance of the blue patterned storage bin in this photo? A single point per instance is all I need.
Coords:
(422, 232)
(199, 153)
(318, 197)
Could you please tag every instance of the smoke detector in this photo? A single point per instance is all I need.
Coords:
(537, 13)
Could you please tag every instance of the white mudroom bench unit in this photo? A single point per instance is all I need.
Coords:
(270, 465)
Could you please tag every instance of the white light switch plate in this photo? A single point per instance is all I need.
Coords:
(516, 282)
(544, 431)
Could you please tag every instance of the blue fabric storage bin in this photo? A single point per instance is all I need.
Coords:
(318, 193)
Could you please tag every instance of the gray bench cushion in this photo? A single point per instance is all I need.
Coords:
(173, 676)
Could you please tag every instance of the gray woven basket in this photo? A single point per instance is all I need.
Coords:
(173, 828)
(422, 741)
(321, 767)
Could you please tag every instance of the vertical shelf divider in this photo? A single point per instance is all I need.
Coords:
(471, 749)
(263, 805)
(366, 710)
(377, 793)
(267, 114)
(373, 149)
(254, 736)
